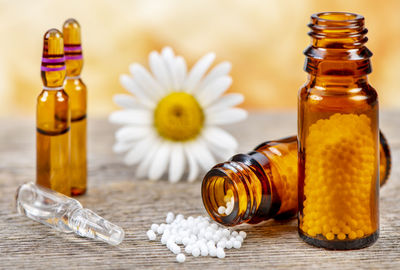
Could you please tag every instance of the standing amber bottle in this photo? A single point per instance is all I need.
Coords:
(53, 118)
(338, 137)
(76, 91)
(263, 183)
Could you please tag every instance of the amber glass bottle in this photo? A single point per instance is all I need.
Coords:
(262, 184)
(53, 118)
(338, 137)
(76, 91)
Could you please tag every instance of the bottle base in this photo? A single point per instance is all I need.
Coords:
(341, 245)
(77, 191)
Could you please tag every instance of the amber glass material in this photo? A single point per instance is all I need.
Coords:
(338, 137)
(263, 184)
(53, 118)
(76, 91)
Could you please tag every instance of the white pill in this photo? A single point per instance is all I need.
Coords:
(226, 232)
(221, 210)
(221, 244)
(164, 240)
(210, 243)
(180, 258)
(234, 233)
(214, 226)
(176, 249)
(216, 237)
(229, 244)
(212, 251)
(204, 250)
(170, 217)
(243, 234)
(151, 235)
(188, 249)
(161, 229)
(195, 252)
(178, 239)
(239, 238)
(179, 218)
(185, 241)
(237, 244)
(154, 227)
(220, 253)
(208, 235)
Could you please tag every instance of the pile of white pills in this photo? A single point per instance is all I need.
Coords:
(197, 236)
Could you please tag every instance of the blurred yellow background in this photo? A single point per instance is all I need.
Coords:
(263, 40)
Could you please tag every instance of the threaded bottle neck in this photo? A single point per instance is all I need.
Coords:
(337, 36)
(231, 193)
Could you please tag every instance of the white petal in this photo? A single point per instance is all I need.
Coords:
(132, 87)
(225, 102)
(120, 147)
(160, 162)
(159, 69)
(177, 165)
(127, 101)
(138, 152)
(132, 133)
(141, 117)
(219, 70)
(181, 71)
(222, 153)
(197, 72)
(169, 60)
(193, 167)
(144, 165)
(146, 82)
(228, 116)
(202, 155)
(220, 138)
(214, 90)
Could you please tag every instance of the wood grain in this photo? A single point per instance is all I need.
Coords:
(135, 204)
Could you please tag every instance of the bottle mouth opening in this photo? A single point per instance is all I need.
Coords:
(220, 197)
(337, 16)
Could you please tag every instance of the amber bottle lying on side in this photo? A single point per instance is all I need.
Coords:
(262, 184)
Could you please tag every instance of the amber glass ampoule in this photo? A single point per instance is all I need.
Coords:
(76, 91)
(338, 137)
(53, 118)
(262, 184)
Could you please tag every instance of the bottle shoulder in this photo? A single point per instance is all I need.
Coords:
(74, 84)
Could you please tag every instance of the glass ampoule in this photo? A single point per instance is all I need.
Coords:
(260, 185)
(65, 214)
(338, 137)
(53, 118)
(77, 93)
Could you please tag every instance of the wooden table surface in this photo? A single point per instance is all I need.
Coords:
(135, 204)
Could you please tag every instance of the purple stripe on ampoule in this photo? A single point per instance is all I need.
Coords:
(53, 60)
(42, 68)
(74, 57)
(69, 48)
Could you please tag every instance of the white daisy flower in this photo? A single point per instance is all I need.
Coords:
(172, 119)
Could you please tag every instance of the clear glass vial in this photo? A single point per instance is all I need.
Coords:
(253, 187)
(65, 214)
(338, 136)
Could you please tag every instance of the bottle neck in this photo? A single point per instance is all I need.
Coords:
(337, 45)
(240, 190)
(74, 68)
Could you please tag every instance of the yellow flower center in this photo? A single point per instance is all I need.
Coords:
(178, 117)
